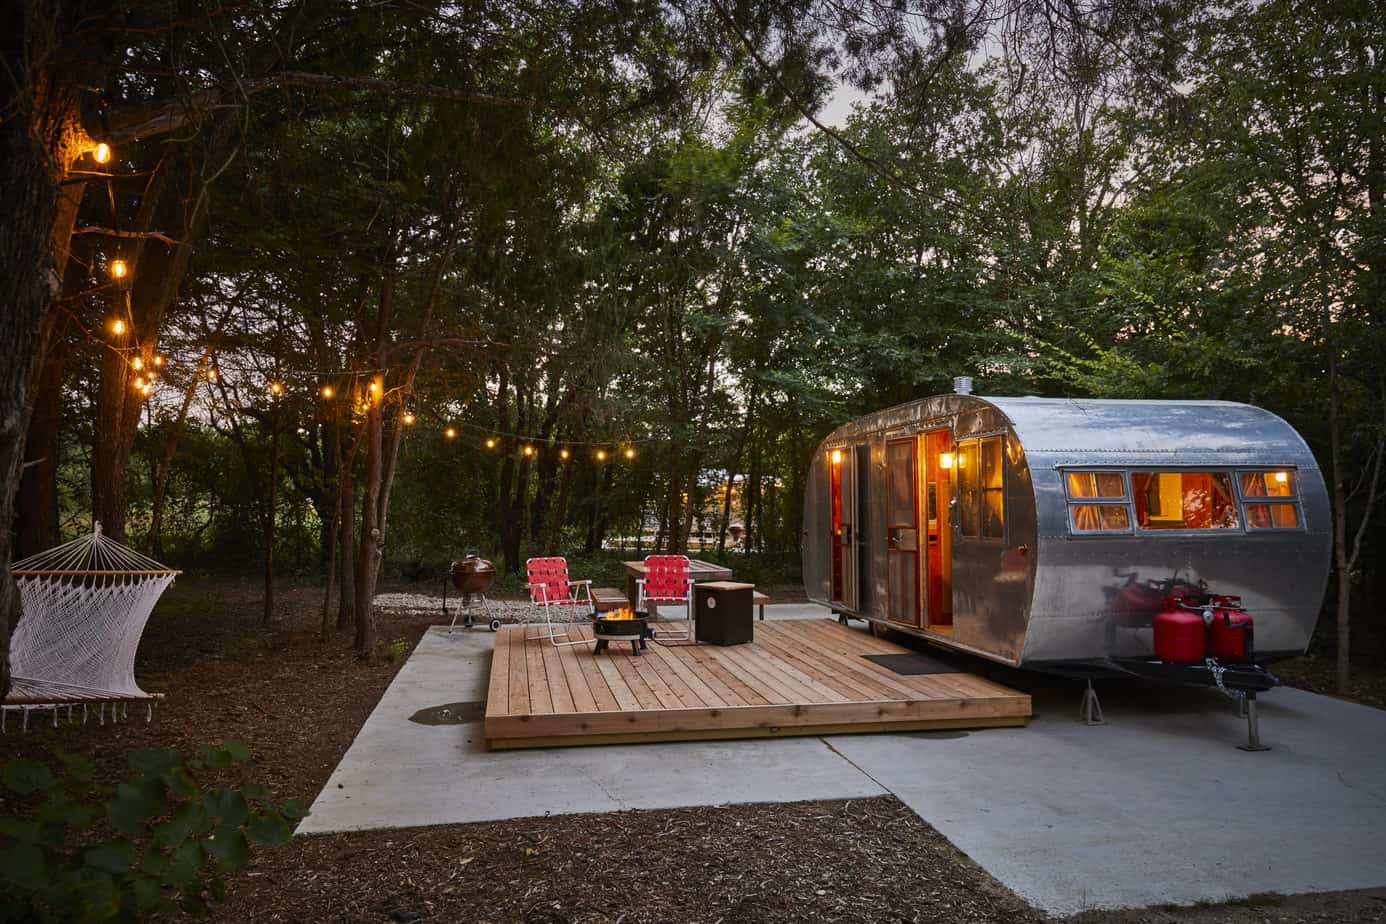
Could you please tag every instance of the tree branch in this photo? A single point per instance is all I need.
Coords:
(111, 232)
(135, 122)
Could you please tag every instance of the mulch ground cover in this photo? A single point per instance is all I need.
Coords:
(298, 703)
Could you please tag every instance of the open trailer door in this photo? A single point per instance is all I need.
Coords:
(845, 539)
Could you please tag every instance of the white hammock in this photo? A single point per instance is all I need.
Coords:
(85, 605)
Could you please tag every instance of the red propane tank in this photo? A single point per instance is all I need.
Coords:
(1230, 632)
(1180, 637)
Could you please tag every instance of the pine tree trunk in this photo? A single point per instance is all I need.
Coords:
(271, 516)
(372, 540)
(346, 541)
(37, 503)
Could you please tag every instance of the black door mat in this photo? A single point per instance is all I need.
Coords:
(913, 663)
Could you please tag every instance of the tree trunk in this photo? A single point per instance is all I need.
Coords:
(37, 504)
(155, 542)
(271, 515)
(372, 540)
(346, 541)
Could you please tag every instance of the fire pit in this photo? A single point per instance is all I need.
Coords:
(621, 626)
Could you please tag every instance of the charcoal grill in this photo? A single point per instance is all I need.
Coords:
(472, 576)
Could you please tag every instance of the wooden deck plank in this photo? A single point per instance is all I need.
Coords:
(583, 699)
(797, 677)
(498, 687)
(519, 678)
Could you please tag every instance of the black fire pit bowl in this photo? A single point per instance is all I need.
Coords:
(635, 631)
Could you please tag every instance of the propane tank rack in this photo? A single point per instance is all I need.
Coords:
(1238, 681)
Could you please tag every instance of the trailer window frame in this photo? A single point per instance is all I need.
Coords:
(1124, 501)
(1293, 500)
(975, 500)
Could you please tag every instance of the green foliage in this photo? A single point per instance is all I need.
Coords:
(395, 650)
(161, 840)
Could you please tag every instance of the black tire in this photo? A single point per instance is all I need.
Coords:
(495, 625)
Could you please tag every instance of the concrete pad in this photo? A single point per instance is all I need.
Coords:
(400, 773)
(1158, 805)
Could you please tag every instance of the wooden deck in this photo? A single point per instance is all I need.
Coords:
(799, 677)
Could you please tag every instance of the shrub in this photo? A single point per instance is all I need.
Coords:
(158, 841)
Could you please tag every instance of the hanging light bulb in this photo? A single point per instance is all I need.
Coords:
(375, 388)
(158, 359)
(119, 269)
(601, 455)
(117, 327)
(212, 374)
(450, 432)
(276, 389)
(139, 381)
(148, 387)
(137, 363)
(102, 153)
(409, 418)
(490, 443)
(630, 452)
(328, 392)
(563, 453)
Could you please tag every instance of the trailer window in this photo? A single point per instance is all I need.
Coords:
(993, 489)
(1184, 500)
(1258, 490)
(1093, 517)
(969, 472)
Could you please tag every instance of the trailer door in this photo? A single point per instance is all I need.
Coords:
(902, 532)
(845, 533)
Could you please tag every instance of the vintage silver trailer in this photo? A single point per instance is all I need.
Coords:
(1044, 532)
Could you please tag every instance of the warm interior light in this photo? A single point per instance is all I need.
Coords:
(102, 154)
(276, 388)
(138, 363)
(837, 457)
(945, 460)
(630, 453)
(601, 455)
(119, 269)
(408, 418)
(528, 450)
(117, 327)
(490, 443)
(450, 432)
(563, 453)
(328, 392)
(1282, 477)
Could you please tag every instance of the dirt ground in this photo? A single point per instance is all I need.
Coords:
(298, 703)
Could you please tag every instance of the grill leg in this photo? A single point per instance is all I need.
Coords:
(1253, 727)
(1091, 709)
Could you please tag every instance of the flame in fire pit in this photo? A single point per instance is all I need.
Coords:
(616, 615)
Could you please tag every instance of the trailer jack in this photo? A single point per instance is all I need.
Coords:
(1247, 707)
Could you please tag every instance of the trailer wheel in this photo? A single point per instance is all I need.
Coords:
(495, 625)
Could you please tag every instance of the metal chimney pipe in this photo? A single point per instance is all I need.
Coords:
(962, 385)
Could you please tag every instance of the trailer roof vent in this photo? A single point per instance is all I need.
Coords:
(962, 385)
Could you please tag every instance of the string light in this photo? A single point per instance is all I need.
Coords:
(148, 387)
(529, 450)
(212, 374)
(102, 153)
(327, 392)
(276, 389)
(158, 359)
(138, 363)
(630, 453)
(139, 381)
(119, 269)
(490, 444)
(601, 455)
(375, 387)
(563, 453)
(408, 418)
(450, 432)
(117, 327)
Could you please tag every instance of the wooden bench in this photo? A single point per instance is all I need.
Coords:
(759, 600)
(609, 598)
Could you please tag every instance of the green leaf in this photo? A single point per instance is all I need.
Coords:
(26, 776)
(230, 806)
(154, 763)
(294, 808)
(134, 806)
(79, 769)
(96, 896)
(238, 751)
(183, 865)
(180, 783)
(228, 844)
(217, 889)
(18, 829)
(114, 858)
(269, 828)
(148, 896)
(181, 826)
(254, 791)
(24, 866)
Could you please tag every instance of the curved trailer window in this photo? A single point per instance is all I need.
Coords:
(982, 487)
(1185, 500)
(1085, 515)
(1271, 499)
